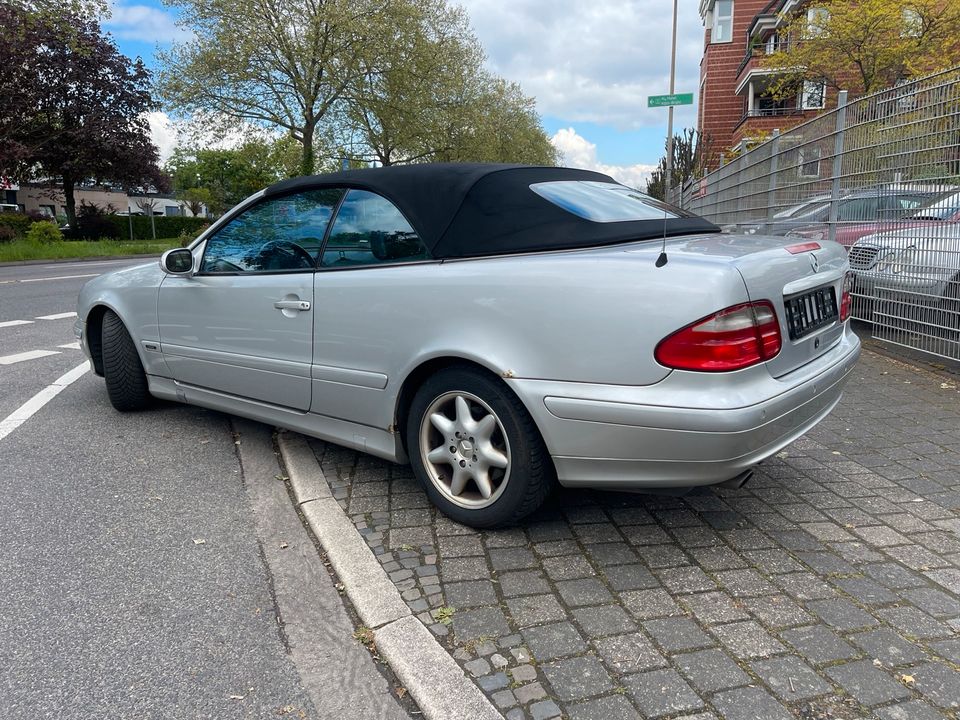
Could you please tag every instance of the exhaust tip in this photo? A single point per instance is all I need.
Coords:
(738, 481)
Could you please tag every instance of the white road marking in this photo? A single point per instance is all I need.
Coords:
(60, 266)
(58, 316)
(13, 323)
(71, 346)
(60, 277)
(31, 406)
(31, 355)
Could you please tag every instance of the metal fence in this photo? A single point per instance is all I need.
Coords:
(880, 175)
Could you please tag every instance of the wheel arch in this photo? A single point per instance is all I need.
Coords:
(94, 331)
(419, 374)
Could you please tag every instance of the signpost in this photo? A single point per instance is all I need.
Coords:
(670, 100)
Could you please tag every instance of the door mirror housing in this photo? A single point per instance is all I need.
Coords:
(178, 261)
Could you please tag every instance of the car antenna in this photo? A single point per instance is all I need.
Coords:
(662, 259)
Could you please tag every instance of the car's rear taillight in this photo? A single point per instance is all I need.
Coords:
(732, 339)
(846, 301)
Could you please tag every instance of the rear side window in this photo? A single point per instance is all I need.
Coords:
(370, 230)
(605, 202)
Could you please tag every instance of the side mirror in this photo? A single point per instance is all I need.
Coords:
(178, 261)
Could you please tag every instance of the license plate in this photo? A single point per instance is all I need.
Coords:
(810, 311)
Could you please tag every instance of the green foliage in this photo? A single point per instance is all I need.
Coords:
(44, 232)
(222, 178)
(866, 45)
(17, 222)
(7, 234)
(24, 250)
(167, 227)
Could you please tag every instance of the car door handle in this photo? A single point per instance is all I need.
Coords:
(292, 305)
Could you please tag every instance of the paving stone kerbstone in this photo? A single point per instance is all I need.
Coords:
(483, 622)
(711, 670)
(535, 610)
(614, 553)
(677, 634)
(888, 647)
(662, 692)
(612, 707)
(790, 678)
(478, 667)
(504, 699)
(523, 673)
(529, 693)
(715, 608)
(868, 684)
(819, 644)
(948, 649)
(491, 683)
(577, 678)
(586, 591)
(630, 577)
(748, 640)
(777, 611)
(568, 567)
(805, 586)
(914, 623)
(842, 614)
(548, 642)
(629, 653)
(750, 703)
(912, 710)
(604, 620)
(938, 683)
(895, 577)
(648, 604)
(544, 710)
(934, 602)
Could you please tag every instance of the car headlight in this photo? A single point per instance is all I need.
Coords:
(898, 261)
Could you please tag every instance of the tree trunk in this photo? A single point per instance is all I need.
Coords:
(70, 202)
(307, 159)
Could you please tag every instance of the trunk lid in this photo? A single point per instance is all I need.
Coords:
(809, 282)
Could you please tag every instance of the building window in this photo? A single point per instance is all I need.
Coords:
(817, 19)
(722, 22)
(814, 92)
(809, 161)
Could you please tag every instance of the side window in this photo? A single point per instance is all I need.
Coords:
(369, 230)
(859, 209)
(283, 233)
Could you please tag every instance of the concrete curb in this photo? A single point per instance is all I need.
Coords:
(430, 674)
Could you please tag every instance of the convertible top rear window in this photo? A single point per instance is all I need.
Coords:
(605, 202)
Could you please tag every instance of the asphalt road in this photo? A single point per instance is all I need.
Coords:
(133, 581)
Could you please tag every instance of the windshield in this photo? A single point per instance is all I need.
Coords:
(943, 209)
(605, 202)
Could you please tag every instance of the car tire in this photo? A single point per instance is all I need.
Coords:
(496, 426)
(126, 382)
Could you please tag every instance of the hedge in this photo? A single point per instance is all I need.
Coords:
(19, 222)
(167, 226)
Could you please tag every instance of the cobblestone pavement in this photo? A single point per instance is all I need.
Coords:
(826, 588)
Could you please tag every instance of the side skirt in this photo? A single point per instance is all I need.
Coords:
(367, 439)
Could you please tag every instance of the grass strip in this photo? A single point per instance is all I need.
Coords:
(19, 250)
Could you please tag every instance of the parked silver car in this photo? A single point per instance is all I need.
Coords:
(502, 327)
(914, 273)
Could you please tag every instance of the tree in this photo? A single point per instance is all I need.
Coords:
(693, 155)
(279, 63)
(82, 114)
(229, 176)
(866, 45)
(196, 198)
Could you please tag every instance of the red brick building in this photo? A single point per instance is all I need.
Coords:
(734, 99)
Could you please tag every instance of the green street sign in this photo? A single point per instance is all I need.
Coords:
(668, 100)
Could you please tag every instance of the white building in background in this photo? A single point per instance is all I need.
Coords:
(49, 201)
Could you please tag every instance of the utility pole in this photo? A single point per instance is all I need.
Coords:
(673, 75)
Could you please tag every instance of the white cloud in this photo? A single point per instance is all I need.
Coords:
(143, 23)
(592, 62)
(163, 134)
(578, 152)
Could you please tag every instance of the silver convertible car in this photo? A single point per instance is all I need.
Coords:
(502, 328)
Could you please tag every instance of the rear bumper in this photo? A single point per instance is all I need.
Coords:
(689, 429)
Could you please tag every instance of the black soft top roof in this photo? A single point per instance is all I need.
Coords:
(473, 209)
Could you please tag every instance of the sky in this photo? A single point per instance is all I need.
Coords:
(589, 65)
